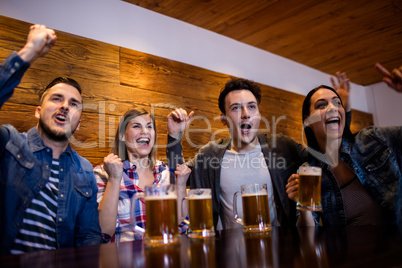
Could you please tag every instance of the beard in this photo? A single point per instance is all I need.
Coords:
(55, 135)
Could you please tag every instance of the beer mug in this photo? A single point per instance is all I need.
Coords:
(255, 208)
(201, 223)
(161, 214)
(309, 197)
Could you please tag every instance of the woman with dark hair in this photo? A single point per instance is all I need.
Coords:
(361, 173)
(127, 170)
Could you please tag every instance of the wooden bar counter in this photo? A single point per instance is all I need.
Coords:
(365, 246)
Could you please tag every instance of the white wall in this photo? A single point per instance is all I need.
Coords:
(385, 104)
(123, 24)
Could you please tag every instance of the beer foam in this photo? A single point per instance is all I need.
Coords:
(205, 196)
(161, 197)
(309, 170)
(255, 194)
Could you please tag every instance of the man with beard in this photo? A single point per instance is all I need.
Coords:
(48, 192)
(244, 157)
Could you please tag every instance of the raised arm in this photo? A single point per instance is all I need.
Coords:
(342, 87)
(393, 79)
(178, 120)
(109, 180)
(182, 173)
(40, 40)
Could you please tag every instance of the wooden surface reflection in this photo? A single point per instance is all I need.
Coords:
(298, 247)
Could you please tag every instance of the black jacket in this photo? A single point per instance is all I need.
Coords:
(282, 155)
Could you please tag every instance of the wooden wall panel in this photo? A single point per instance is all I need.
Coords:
(115, 79)
(360, 120)
(172, 77)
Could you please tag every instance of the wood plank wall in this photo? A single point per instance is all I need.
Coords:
(115, 79)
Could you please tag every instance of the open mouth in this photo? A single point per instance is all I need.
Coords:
(61, 117)
(333, 123)
(143, 141)
(245, 128)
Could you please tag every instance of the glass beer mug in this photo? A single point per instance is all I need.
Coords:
(255, 208)
(161, 213)
(309, 197)
(201, 224)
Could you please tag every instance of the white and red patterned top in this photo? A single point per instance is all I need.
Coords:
(128, 188)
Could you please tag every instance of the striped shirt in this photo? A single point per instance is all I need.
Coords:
(360, 207)
(38, 229)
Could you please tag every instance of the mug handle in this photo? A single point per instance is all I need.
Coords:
(137, 229)
(236, 215)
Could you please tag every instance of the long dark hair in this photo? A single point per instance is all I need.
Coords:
(311, 139)
(119, 146)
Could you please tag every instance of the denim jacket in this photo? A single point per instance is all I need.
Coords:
(11, 71)
(24, 170)
(375, 155)
(25, 164)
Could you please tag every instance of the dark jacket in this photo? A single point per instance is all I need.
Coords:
(282, 155)
(375, 156)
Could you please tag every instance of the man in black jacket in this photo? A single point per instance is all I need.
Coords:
(244, 157)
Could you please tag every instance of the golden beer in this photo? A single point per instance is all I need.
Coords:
(309, 189)
(200, 213)
(256, 211)
(161, 221)
(201, 223)
(255, 208)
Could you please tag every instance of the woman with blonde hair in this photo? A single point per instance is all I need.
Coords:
(129, 167)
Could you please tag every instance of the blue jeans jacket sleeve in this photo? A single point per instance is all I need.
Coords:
(11, 71)
(381, 159)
